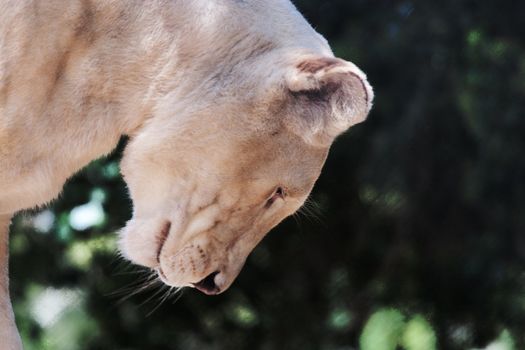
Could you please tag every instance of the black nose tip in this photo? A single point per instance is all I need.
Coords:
(207, 285)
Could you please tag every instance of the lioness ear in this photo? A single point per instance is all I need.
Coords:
(326, 97)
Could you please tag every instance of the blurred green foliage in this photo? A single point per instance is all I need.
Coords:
(417, 239)
(383, 331)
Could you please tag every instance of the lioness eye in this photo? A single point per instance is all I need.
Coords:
(279, 193)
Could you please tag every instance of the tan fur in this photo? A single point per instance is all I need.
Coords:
(8, 334)
(225, 102)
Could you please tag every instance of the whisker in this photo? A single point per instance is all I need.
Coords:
(146, 279)
(163, 299)
(143, 271)
(125, 289)
(136, 288)
(312, 211)
(178, 294)
(159, 290)
(137, 291)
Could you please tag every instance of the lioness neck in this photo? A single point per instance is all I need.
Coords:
(8, 333)
(74, 77)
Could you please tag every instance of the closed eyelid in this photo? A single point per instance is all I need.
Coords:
(279, 192)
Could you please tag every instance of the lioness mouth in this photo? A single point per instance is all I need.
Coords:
(162, 238)
(207, 285)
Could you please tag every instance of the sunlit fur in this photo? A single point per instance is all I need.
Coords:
(223, 101)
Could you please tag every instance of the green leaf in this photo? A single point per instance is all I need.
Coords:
(419, 335)
(383, 330)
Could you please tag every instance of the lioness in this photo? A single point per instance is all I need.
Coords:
(230, 107)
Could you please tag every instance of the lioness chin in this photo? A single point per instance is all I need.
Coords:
(230, 107)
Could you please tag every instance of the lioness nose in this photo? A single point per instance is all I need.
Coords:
(207, 285)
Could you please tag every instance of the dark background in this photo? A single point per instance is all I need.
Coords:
(415, 241)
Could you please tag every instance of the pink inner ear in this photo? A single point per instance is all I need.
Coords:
(320, 94)
(314, 65)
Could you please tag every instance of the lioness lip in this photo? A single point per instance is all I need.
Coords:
(162, 238)
(207, 285)
(162, 275)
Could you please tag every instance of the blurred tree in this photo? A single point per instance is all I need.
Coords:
(417, 235)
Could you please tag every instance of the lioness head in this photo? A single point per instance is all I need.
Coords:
(210, 179)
